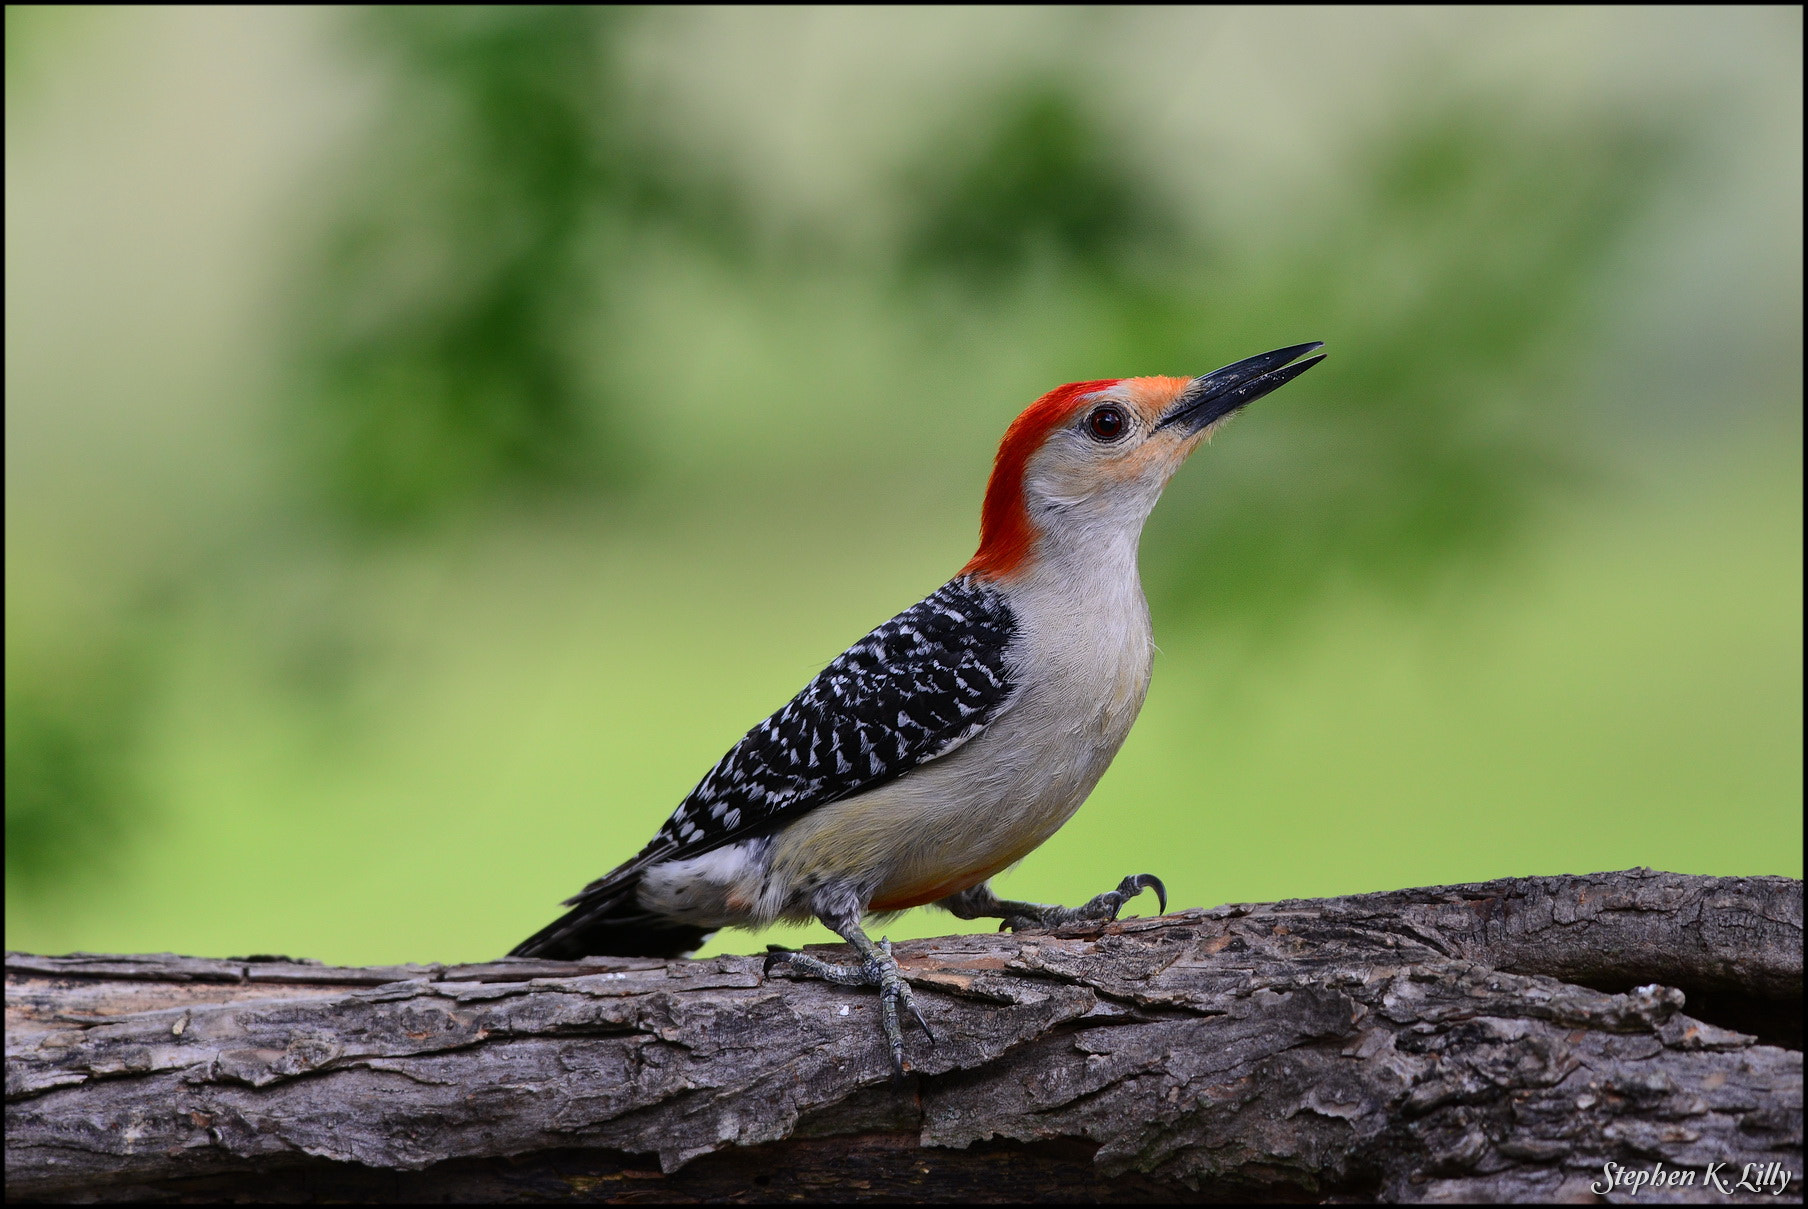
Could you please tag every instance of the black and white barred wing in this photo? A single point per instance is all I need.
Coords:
(914, 689)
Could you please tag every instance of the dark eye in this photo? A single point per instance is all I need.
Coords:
(1107, 423)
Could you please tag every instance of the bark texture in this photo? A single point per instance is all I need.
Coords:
(1499, 1041)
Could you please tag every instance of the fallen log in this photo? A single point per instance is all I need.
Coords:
(1528, 1039)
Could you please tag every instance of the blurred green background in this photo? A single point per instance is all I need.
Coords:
(435, 435)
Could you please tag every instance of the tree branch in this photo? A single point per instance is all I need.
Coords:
(1498, 1041)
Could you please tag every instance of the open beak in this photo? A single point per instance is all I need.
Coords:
(1223, 391)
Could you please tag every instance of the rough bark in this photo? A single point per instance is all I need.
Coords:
(1499, 1041)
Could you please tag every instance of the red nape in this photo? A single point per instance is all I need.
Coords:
(1005, 534)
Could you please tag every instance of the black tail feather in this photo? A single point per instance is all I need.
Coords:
(615, 926)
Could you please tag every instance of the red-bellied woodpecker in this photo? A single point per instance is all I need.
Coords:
(951, 741)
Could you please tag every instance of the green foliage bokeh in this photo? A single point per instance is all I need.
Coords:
(555, 445)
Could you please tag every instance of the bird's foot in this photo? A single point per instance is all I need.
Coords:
(1103, 908)
(880, 969)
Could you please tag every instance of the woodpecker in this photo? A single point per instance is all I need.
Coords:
(955, 738)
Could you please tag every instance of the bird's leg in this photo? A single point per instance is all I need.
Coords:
(877, 968)
(979, 902)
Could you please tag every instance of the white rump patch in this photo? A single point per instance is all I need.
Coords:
(698, 890)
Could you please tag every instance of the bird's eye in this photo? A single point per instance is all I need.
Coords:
(1107, 423)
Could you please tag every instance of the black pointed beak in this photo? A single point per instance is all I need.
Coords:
(1215, 395)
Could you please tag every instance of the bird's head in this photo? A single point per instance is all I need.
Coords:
(1086, 462)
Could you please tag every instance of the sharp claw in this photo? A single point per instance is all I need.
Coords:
(897, 1064)
(775, 956)
(929, 1032)
(1148, 881)
(1136, 883)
